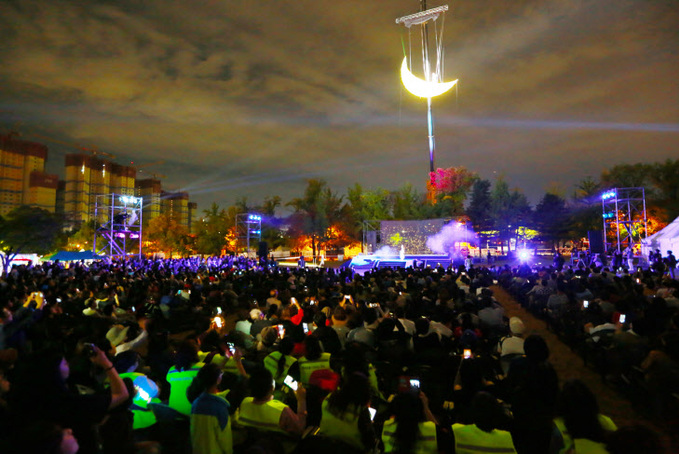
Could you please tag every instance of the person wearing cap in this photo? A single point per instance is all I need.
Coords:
(512, 344)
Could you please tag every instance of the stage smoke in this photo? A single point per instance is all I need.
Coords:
(386, 251)
(450, 234)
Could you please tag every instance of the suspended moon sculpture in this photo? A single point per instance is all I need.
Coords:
(420, 87)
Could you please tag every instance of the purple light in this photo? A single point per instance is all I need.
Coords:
(134, 236)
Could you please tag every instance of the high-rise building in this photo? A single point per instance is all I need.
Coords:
(23, 180)
(150, 190)
(88, 177)
(177, 204)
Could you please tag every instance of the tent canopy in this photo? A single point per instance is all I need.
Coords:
(666, 240)
(69, 256)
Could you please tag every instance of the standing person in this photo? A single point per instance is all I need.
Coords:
(671, 262)
(210, 421)
(630, 258)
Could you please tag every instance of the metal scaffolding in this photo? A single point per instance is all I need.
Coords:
(248, 227)
(624, 212)
(120, 231)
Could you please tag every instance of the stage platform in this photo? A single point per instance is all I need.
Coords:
(362, 262)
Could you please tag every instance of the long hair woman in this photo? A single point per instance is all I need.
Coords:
(345, 416)
(412, 427)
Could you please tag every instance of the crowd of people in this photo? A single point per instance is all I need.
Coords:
(225, 355)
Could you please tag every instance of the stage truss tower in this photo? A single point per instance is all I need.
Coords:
(624, 212)
(248, 229)
(119, 233)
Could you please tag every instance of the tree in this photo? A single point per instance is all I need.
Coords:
(480, 205)
(550, 218)
(271, 225)
(365, 205)
(509, 210)
(167, 235)
(407, 204)
(27, 229)
(627, 176)
(82, 238)
(212, 229)
(665, 177)
(316, 212)
(447, 190)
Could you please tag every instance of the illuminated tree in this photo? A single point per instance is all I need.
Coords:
(165, 234)
(366, 205)
(450, 185)
(316, 212)
(407, 203)
(82, 238)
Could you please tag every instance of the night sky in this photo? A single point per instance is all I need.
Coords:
(251, 98)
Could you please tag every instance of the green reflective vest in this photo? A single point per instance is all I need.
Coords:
(343, 427)
(264, 416)
(425, 444)
(309, 366)
(271, 364)
(469, 439)
(585, 446)
(606, 423)
(179, 383)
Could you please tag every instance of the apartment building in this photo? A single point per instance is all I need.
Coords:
(23, 180)
(88, 177)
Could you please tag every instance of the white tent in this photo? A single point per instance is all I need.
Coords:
(666, 240)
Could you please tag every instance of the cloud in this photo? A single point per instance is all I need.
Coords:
(238, 94)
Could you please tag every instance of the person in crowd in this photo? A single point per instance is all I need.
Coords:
(578, 421)
(180, 376)
(412, 427)
(279, 364)
(314, 359)
(210, 420)
(345, 416)
(40, 393)
(484, 434)
(260, 410)
(512, 344)
(532, 387)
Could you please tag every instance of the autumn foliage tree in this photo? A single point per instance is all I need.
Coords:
(450, 187)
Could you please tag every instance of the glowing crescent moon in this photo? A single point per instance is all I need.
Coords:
(420, 87)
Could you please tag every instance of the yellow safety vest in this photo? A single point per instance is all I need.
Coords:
(469, 439)
(585, 446)
(425, 444)
(271, 364)
(343, 428)
(179, 383)
(307, 366)
(264, 416)
(606, 423)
